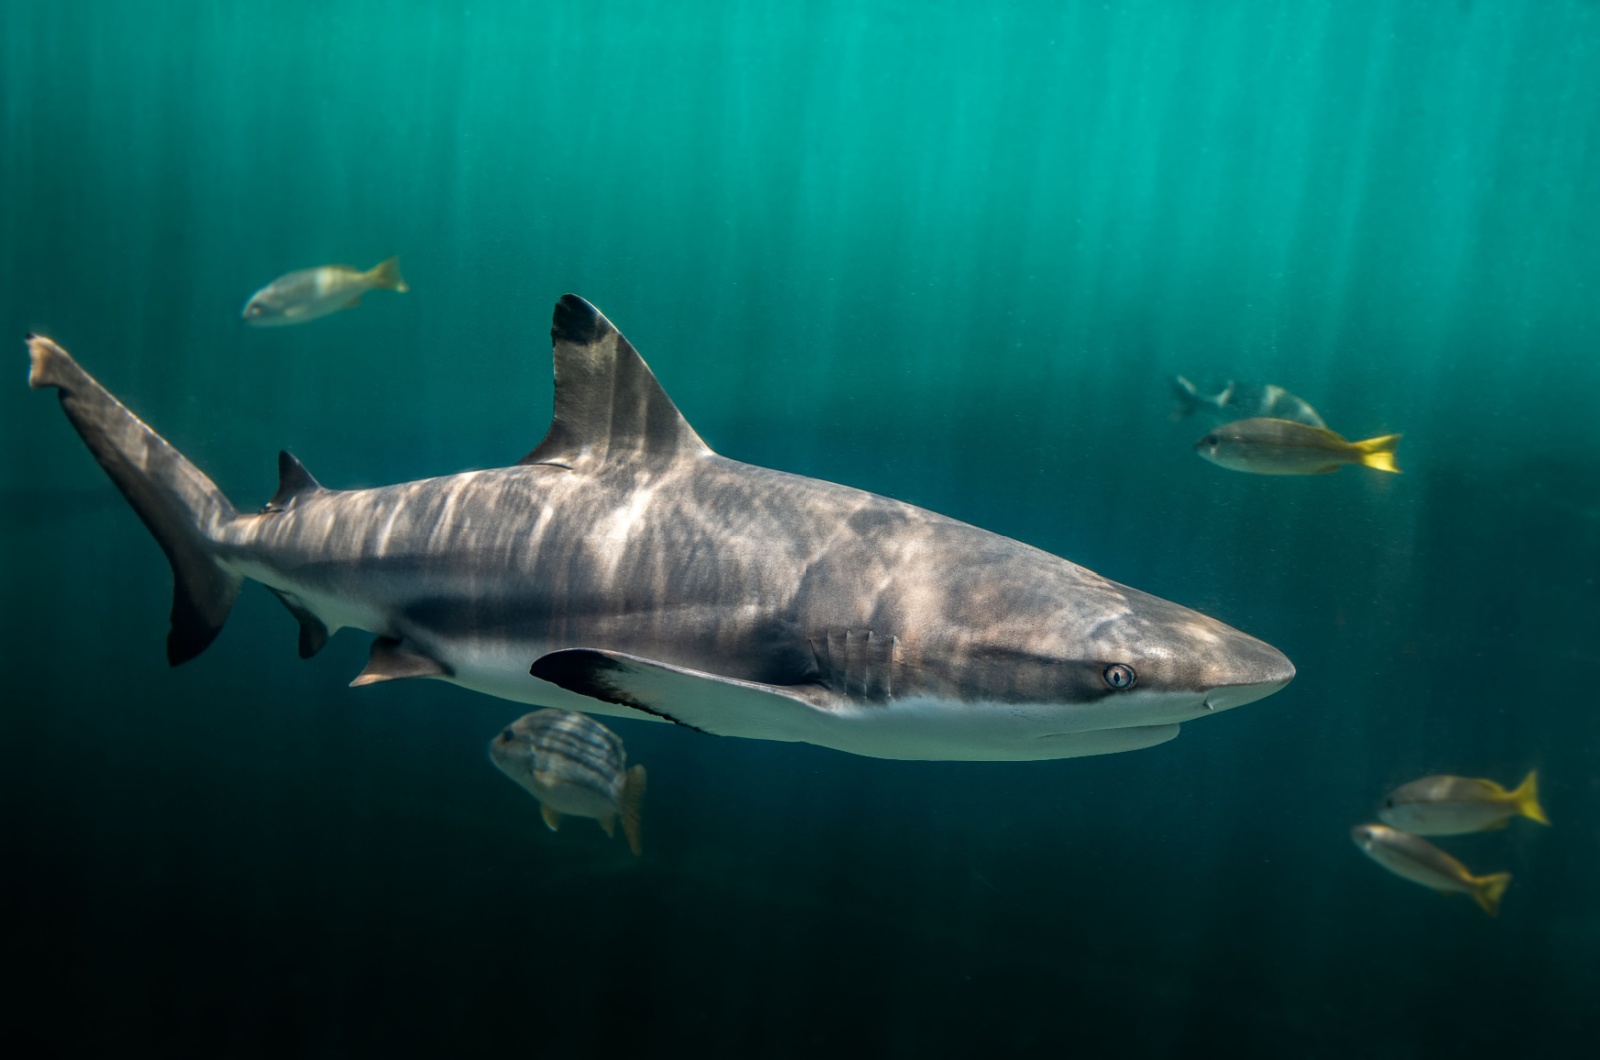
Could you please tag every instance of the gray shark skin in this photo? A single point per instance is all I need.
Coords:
(623, 568)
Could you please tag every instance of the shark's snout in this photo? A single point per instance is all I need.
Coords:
(1252, 670)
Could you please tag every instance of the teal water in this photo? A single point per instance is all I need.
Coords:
(947, 252)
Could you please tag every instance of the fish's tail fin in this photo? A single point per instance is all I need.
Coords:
(1188, 398)
(1526, 798)
(386, 274)
(180, 506)
(1486, 891)
(628, 810)
(1378, 453)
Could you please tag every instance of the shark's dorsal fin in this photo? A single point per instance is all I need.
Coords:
(609, 406)
(293, 481)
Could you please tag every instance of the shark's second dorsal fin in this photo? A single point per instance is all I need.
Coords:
(609, 406)
(293, 481)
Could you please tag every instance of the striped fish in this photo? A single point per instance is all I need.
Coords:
(575, 767)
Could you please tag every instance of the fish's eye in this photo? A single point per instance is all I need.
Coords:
(1119, 676)
(1209, 441)
(507, 736)
(1388, 804)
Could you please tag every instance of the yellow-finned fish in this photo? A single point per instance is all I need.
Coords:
(312, 293)
(1421, 862)
(575, 766)
(1455, 805)
(1265, 446)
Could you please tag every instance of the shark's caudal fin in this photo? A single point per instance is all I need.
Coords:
(181, 506)
(608, 407)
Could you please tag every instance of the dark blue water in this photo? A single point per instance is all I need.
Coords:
(947, 252)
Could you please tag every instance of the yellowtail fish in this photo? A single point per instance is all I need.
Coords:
(1455, 805)
(1265, 446)
(574, 766)
(312, 293)
(1421, 862)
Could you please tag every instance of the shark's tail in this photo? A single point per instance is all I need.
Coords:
(181, 506)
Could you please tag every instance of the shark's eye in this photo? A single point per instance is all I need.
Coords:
(1209, 441)
(1119, 676)
(507, 736)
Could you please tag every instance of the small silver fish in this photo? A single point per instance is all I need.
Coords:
(574, 766)
(1445, 805)
(1282, 447)
(1240, 401)
(1421, 862)
(312, 293)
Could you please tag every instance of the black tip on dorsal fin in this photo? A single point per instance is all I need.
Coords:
(577, 322)
(609, 406)
(293, 481)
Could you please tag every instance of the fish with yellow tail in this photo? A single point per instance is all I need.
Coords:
(309, 294)
(1265, 446)
(574, 766)
(1419, 861)
(1446, 805)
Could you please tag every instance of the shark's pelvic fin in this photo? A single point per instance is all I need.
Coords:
(552, 818)
(707, 702)
(608, 404)
(293, 481)
(182, 508)
(394, 660)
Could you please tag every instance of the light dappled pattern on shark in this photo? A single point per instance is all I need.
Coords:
(623, 568)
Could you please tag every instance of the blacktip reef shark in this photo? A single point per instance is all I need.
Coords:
(623, 568)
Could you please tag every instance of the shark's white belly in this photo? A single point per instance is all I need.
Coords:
(922, 729)
(910, 728)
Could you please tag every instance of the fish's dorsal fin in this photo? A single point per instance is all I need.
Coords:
(293, 481)
(609, 406)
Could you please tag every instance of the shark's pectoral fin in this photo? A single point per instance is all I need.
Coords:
(721, 706)
(313, 634)
(393, 659)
